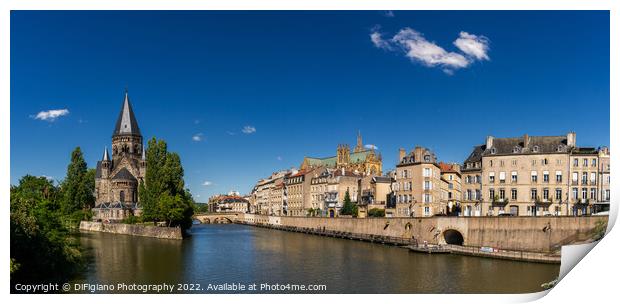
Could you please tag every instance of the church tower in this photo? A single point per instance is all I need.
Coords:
(127, 139)
(359, 147)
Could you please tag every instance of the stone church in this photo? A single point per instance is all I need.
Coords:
(362, 160)
(118, 176)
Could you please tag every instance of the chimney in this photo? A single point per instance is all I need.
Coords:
(571, 139)
(526, 140)
(401, 154)
(489, 142)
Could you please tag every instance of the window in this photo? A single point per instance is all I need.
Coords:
(607, 194)
(427, 211)
(533, 162)
(514, 162)
(478, 194)
(427, 185)
(491, 194)
(493, 150)
(501, 163)
(584, 178)
(545, 161)
(575, 193)
(514, 176)
(545, 194)
(592, 193)
(502, 194)
(594, 162)
(427, 172)
(558, 194)
(558, 176)
(585, 162)
(513, 194)
(490, 163)
(502, 177)
(575, 162)
(584, 193)
(546, 176)
(478, 179)
(427, 158)
(491, 177)
(534, 176)
(535, 149)
(593, 177)
(533, 193)
(575, 176)
(427, 198)
(469, 194)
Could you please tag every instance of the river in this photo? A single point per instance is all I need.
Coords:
(219, 254)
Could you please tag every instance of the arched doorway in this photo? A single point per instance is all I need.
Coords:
(453, 237)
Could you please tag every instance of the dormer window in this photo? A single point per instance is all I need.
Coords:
(493, 151)
(516, 149)
(427, 158)
(535, 149)
(560, 148)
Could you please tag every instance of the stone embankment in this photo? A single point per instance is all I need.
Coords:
(130, 229)
(535, 239)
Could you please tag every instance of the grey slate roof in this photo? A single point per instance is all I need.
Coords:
(476, 154)
(124, 174)
(126, 124)
(545, 144)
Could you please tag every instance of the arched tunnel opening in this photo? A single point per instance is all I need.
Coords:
(453, 237)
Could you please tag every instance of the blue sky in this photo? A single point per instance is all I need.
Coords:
(300, 83)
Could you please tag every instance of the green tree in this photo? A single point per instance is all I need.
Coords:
(41, 249)
(78, 186)
(348, 207)
(162, 194)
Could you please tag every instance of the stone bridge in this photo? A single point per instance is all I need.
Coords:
(216, 218)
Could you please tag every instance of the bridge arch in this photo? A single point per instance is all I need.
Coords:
(453, 237)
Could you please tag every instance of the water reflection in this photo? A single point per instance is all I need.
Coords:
(220, 254)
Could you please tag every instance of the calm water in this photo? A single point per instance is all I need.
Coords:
(218, 254)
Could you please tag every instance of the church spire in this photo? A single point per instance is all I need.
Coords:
(106, 157)
(359, 147)
(126, 124)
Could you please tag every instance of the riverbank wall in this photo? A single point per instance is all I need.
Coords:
(131, 229)
(528, 234)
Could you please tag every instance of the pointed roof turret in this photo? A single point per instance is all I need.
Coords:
(106, 157)
(126, 124)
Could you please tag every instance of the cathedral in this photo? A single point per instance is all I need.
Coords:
(362, 160)
(118, 176)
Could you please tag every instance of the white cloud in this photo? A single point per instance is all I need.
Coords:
(279, 158)
(248, 130)
(198, 137)
(49, 178)
(371, 146)
(472, 45)
(418, 49)
(378, 41)
(50, 115)
(388, 14)
(207, 183)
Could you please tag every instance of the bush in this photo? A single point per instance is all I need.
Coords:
(376, 212)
